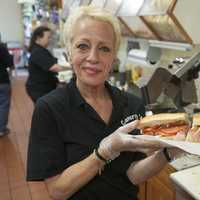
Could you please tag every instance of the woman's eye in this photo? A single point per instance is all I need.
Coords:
(105, 49)
(82, 46)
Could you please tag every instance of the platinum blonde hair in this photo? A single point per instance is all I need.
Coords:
(92, 12)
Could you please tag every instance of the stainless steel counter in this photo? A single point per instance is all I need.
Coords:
(187, 183)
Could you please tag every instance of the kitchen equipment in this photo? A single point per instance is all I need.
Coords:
(171, 89)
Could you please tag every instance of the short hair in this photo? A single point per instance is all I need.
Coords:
(37, 33)
(92, 12)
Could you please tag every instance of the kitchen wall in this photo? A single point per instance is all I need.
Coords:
(187, 13)
(11, 27)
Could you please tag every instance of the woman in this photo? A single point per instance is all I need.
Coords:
(6, 61)
(43, 65)
(75, 143)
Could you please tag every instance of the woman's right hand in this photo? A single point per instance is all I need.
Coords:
(111, 146)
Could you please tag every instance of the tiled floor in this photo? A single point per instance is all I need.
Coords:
(13, 148)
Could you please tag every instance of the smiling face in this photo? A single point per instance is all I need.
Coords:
(92, 51)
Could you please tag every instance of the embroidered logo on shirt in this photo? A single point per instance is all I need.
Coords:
(131, 118)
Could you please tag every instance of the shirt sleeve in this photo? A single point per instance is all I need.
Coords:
(6, 57)
(43, 59)
(46, 152)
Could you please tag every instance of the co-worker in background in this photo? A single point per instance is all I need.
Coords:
(6, 61)
(77, 142)
(43, 65)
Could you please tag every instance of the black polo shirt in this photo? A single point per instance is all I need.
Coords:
(40, 79)
(6, 60)
(66, 129)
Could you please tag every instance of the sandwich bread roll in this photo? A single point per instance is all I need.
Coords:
(164, 124)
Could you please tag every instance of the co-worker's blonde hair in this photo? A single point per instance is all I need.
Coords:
(90, 12)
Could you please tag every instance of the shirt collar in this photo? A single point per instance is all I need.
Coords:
(116, 95)
(77, 100)
(75, 97)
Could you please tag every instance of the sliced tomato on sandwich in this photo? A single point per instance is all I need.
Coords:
(172, 130)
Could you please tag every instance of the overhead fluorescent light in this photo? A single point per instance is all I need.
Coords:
(130, 7)
(171, 45)
(113, 5)
(26, 1)
(98, 3)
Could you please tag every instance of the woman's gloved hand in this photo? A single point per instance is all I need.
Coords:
(111, 146)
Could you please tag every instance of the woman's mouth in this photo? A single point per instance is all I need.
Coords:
(91, 70)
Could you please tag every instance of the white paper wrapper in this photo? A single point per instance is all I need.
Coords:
(189, 147)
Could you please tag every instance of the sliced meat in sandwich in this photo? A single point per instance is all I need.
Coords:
(164, 124)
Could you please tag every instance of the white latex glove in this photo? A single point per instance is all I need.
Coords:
(180, 136)
(111, 146)
(148, 151)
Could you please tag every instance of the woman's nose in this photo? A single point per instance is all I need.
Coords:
(93, 55)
